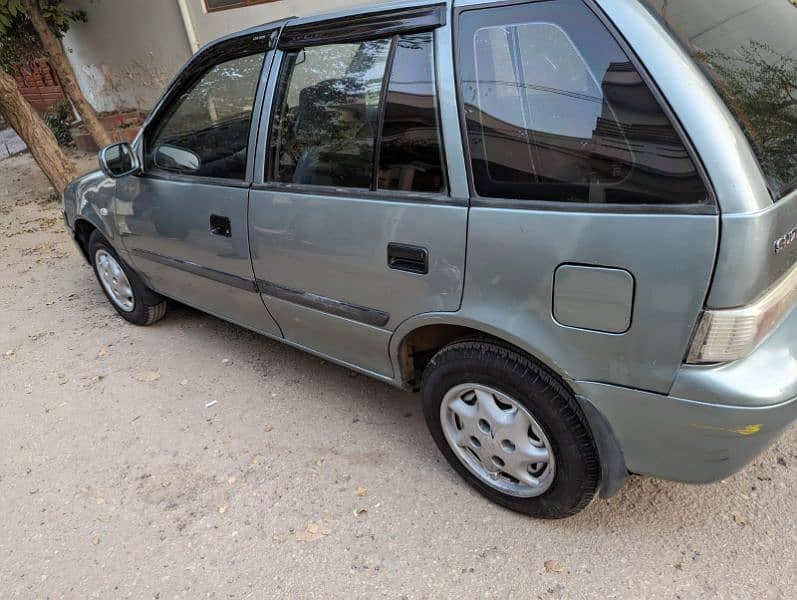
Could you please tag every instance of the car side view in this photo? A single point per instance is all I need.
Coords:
(568, 223)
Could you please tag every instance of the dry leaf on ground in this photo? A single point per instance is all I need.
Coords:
(313, 532)
(361, 491)
(554, 566)
(147, 376)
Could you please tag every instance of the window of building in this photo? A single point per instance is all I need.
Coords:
(555, 110)
(214, 5)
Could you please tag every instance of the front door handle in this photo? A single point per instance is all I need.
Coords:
(403, 257)
(220, 226)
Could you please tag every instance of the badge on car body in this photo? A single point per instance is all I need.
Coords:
(785, 241)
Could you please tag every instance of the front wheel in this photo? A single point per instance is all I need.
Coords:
(510, 429)
(122, 286)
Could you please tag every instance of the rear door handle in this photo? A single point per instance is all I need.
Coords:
(220, 225)
(403, 257)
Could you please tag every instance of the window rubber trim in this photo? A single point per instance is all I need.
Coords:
(160, 175)
(380, 121)
(398, 196)
(708, 207)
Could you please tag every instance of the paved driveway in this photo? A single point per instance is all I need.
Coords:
(10, 143)
(195, 459)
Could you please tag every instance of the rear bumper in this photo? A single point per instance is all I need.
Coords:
(687, 440)
(716, 418)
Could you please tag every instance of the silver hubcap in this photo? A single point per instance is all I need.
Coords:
(114, 281)
(498, 440)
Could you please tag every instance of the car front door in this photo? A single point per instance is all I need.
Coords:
(184, 219)
(354, 228)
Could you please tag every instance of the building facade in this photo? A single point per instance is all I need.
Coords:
(128, 51)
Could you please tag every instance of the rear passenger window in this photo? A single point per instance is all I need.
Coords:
(360, 115)
(555, 110)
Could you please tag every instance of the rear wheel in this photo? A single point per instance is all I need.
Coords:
(510, 429)
(124, 289)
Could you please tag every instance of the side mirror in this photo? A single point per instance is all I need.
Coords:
(176, 159)
(119, 160)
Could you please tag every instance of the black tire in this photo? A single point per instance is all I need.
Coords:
(577, 473)
(149, 307)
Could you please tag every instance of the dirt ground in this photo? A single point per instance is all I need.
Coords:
(120, 479)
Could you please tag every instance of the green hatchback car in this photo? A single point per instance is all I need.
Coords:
(569, 223)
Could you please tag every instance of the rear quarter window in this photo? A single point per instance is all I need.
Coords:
(556, 111)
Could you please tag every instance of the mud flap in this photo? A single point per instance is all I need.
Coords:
(614, 472)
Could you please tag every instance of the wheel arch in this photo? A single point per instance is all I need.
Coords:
(83, 229)
(416, 340)
(86, 223)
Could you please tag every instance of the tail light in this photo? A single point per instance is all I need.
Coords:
(724, 335)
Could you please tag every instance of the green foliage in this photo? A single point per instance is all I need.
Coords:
(19, 44)
(57, 15)
(761, 87)
(58, 119)
(18, 40)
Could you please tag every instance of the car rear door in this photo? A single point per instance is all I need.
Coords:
(184, 219)
(353, 225)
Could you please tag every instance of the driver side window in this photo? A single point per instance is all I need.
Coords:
(206, 130)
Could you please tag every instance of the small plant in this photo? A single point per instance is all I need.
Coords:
(58, 120)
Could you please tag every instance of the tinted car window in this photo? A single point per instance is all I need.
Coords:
(410, 154)
(206, 131)
(749, 50)
(328, 113)
(555, 110)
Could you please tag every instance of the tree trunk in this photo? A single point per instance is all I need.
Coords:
(40, 140)
(55, 52)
